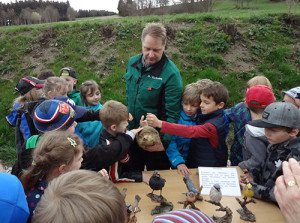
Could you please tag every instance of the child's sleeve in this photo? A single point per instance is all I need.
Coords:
(102, 155)
(173, 154)
(264, 192)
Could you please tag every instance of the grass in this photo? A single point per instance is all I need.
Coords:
(99, 49)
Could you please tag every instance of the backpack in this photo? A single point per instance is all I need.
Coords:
(24, 158)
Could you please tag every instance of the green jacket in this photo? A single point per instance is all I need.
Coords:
(156, 89)
(75, 96)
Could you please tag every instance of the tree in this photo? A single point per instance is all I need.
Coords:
(36, 18)
(71, 13)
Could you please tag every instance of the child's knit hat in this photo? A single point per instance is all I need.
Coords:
(279, 114)
(68, 71)
(53, 115)
(184, 216)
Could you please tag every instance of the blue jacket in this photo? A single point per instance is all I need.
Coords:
(178, 149)
(201, 152)
(91, 130)
(12, 120)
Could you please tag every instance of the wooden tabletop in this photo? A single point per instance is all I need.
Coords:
(173, 189)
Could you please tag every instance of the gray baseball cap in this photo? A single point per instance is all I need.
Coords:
(279, 114)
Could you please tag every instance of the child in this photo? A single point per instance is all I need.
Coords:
(13, 205)
(90, 94)
(49, 115)
(177, 151)
(239, 115)
(30, 89)
(56, 153)
(207, 147)
(81, 196)
(114, 117)
(55, 86)
(45, 74)
(69, 75)
(291, 96)
(281, 123)
(255, 142)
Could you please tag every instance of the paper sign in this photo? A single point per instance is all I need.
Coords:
(227, 178)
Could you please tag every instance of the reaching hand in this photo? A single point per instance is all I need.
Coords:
(136, 131)
(103, 173)
(182, 169)
(153, 120)
(143, 122)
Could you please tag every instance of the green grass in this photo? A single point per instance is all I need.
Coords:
(99, 49)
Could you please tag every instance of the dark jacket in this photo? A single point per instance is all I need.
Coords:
(201, 151)
(102, 156)
(156, 89)
(264, 178)
(121, 170)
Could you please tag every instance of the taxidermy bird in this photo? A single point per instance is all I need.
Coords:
(156, 182)
(189, 184)
(149, 136)
(215, 193)
(248, 190)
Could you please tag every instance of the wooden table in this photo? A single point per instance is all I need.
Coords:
(174, 187)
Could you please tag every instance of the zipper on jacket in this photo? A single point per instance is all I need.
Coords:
(137, 91)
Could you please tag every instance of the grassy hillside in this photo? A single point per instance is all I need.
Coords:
(227, 45)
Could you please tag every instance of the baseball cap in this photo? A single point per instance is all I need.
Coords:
(27, 83)
(292, 92)
(68, 71)
(279, 114)
(80, 110)
(259, 96)
(53, 115)
(13, 202)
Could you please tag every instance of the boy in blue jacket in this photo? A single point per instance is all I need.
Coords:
(177, 151)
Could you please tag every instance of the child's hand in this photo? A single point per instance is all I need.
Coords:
(182, 169)
(146, 178)
(153, 121)
(136, 131)
(103, 173)
(246, 177)
(158, 147)
(130, 118)
(143, 122)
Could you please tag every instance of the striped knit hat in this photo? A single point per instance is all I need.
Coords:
(183, 216)
(53, 115)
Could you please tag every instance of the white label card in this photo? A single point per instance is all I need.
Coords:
(227, 178)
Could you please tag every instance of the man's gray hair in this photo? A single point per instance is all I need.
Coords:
(155, 30)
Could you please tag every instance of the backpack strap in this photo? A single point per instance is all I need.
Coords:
(32, 142)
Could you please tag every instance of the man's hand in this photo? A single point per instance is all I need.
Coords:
(158, 147)
(153, 121)
(143, 122)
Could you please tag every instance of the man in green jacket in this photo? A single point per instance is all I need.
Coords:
(153, 84)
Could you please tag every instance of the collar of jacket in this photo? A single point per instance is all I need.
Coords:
(204, 117)
(156, 68)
